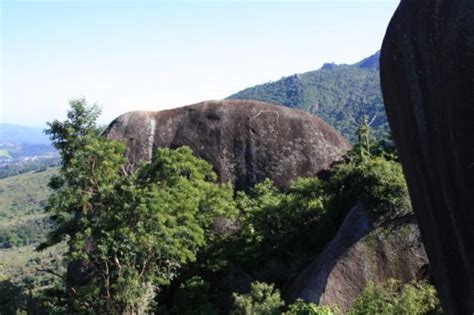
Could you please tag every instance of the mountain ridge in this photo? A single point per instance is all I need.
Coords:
(19, 134)
(339, 93)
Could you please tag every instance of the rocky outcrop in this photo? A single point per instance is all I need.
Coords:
(365, 248)
(245, 141)
(427, 72)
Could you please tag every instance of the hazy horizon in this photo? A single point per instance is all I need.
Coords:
(155, 55)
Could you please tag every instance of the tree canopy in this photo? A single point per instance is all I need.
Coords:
(131, 230)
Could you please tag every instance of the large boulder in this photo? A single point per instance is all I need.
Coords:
(427, 72)
(367, 247)
(245, 141)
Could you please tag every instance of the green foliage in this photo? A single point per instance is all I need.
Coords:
(288, 228)
(134, 227)
(385, 148)
(377, 182)
(388, 298)
(303, 308)
(72, 134)
(12, 298)
(275, 222)
(192, 298)
(391, 297)
(263, 299)
(287, 91)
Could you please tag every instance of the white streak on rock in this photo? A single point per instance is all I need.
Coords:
(151, 138)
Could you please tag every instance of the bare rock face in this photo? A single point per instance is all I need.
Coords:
(427, 72)
(364, 249)
(245, 141)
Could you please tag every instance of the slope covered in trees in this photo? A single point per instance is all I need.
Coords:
(340, 94)
(22, 198)
(25, 274)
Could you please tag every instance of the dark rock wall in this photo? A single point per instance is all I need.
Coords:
(245, 141)
(427, 72)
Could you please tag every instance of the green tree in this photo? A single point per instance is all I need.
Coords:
(263, 299)
(72, 134)
(131, 230)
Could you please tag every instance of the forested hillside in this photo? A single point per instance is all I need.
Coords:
(24, 272)
(340, 94)
(22, 217)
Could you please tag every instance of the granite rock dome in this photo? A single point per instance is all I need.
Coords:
(245, 141)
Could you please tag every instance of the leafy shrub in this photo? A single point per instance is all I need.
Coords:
(291, 225)
(377, 182)
(391, 297)
(192, 298)
(263, 299)
(303, 308)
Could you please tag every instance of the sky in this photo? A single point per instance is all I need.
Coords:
(153, 55)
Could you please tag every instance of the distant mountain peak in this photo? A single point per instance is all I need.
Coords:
(371, 62)
(18, 134)
(329, 65)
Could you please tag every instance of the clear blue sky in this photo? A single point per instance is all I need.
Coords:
(151, 55)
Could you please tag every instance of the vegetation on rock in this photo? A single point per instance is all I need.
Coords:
(391, 297)
(265, 299)
(262, 299)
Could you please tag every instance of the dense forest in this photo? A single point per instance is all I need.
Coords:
(167, 237)
(340, 94)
